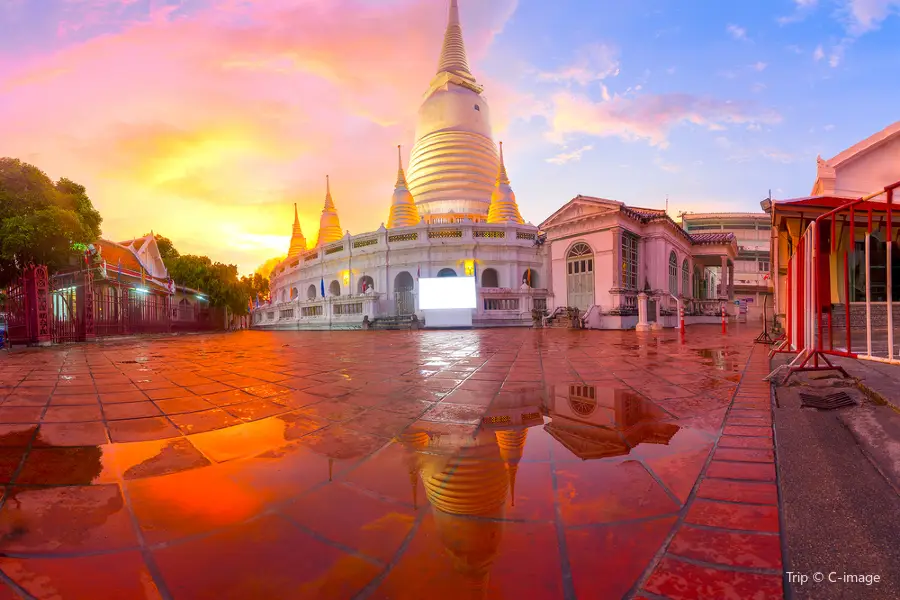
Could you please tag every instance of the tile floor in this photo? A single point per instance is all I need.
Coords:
(397, 465)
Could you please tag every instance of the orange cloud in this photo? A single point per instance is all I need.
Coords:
(207, 127)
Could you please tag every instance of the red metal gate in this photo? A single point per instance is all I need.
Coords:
(19, 327)
(64, 308)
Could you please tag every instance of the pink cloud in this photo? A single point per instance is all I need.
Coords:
(207, 126)
(646, 117)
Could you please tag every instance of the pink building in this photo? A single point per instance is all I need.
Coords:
(629, 267)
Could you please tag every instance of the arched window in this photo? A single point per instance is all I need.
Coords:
(366, 284)
(490, 279)
(311, 292)
(446, 273)
(335, 288)
(673, 273)
(685, 279)
(529, 278)
(283, 295)
(293, 293)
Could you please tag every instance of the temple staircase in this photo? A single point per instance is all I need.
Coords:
(561, 318)
(397, 323)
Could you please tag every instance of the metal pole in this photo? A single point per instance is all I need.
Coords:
(723, 319)
(889, 285)
(851, 247)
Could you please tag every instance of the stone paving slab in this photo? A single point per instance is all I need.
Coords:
(456, 464)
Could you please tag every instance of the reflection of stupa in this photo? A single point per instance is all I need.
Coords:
(594, 423)
(467, 481)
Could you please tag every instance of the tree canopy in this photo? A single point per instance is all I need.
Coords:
(40, 219)
(220, 282)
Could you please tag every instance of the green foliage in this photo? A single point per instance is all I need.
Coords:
(40, 220)
(166, 248)
(218, 281)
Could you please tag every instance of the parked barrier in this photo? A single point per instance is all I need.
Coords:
(822, 279)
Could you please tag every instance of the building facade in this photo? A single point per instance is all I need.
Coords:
(752, 232)
(866, 167)
(454, 214)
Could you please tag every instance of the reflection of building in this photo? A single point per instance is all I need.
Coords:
(467, 480)
(596, 422)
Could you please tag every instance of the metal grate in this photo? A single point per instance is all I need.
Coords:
(832, 401)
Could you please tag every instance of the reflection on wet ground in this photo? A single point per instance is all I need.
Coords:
(476, 464)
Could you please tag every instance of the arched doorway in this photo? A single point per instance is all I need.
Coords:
(580, 276)
(365, 284)
(404, 296)
(490, 279)
(446, 273)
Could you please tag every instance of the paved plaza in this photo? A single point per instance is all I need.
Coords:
(506, 463)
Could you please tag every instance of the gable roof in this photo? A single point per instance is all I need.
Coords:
(642, 216)
(870, 143)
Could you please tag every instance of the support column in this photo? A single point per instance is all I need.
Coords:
(723, 278)
(642, 324)
(658, 324)
(731, 282)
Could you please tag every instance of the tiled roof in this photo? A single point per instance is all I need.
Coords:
(645, 214)
(112, 253)
(712, 238)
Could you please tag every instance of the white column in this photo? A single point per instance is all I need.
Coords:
(642, 324)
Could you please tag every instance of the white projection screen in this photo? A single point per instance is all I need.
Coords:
(444, 293)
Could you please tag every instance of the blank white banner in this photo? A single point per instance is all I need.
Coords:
(441, 293)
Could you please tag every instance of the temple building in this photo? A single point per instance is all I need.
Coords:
(453, 213)
(867, 167)
(751, 272)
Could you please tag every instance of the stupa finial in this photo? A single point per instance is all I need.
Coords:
(401, 176)
(453, 54)
(502, 177)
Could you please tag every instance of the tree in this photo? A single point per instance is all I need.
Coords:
(265, 269)
(41, 220)
(167, 249)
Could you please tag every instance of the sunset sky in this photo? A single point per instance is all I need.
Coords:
(204, 120)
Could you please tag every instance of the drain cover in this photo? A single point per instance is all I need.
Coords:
(831, 401)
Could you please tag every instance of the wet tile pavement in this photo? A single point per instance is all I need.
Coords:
(456, 464)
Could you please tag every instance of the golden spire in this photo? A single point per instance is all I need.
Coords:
(329, 224)
(401, 176)
(503, 201)
(298, 242)
(404, 212)
(502, 177)
(453, 54)
(329, 202)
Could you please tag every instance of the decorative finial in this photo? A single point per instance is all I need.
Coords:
(401, 176)
(503, 177)
(296, 216)
(453, 54)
